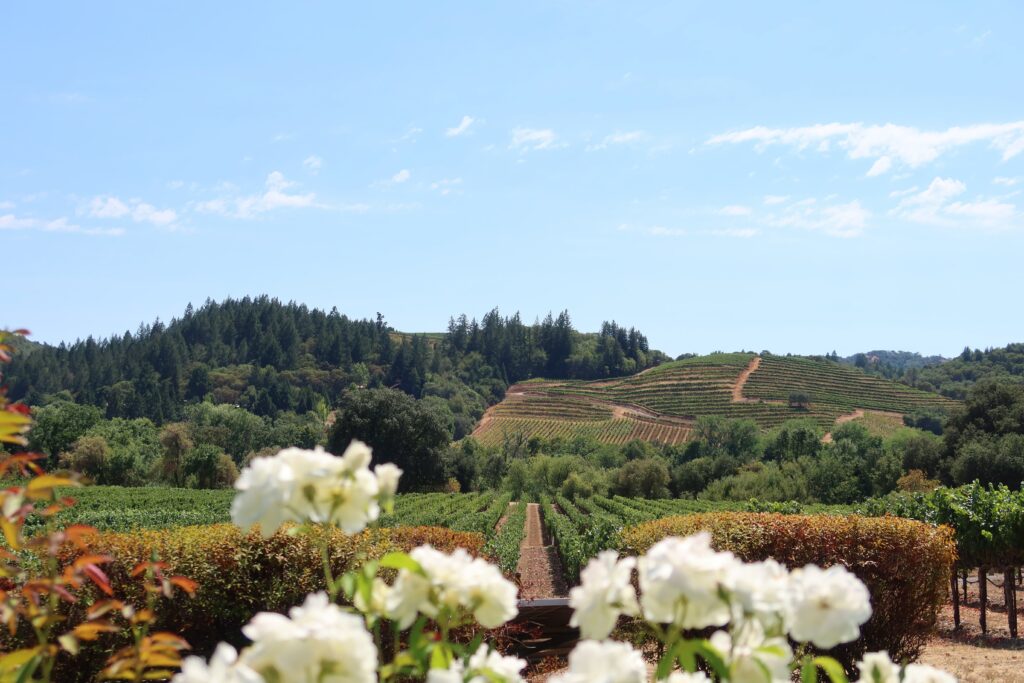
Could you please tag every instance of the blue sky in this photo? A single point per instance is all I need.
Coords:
(779, 176)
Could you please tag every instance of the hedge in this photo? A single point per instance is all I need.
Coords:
(240, 573)
(905, 564)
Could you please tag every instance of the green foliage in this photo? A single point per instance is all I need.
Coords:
(504, 545)
(988, 520)
(399, 429)
(59, 424)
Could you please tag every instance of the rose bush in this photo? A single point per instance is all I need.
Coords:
(757, 608)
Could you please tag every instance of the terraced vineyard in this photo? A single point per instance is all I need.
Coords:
(662, 403)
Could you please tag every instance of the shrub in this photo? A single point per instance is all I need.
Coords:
(905, 564)
(240, 573)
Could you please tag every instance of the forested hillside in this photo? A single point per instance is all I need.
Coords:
(949, 377)
(268, 357)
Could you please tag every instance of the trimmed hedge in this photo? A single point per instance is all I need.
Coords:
(240, 573)
(905, 564)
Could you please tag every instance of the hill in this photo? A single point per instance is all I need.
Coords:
(662, 403)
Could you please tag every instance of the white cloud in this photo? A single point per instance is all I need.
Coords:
(887, 144)
(773, 199)
(936, 206)
(1005, 182)
(458, 130)
(735, 210)
(618, 138)
(409, 135)
(148, 213)
(282, 137)
(12, 222)
(837, 220)
(525, 139)
(446, 185)
(401, 176)
(881, 166)
(275, 196)
(313, 163)
(744, 233)
(903, 193)
(175, 184)
(6, 205)
(140, 212)
(108, 207)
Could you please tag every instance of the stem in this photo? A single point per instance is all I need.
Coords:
(325, 557)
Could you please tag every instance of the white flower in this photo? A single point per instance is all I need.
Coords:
(683, 677)
(604, 593)
(223, 668)
(453, 674)
(829, 605)
(490, 666)
(876, 667)
(387, 478)
(378, 599)
(457, 582)
(922, 673)
(317, 642)
(760, 590)
(298, 485)
(751, 657)
(606, 661)
(682, 580)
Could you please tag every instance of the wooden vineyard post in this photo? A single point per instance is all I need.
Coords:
(955, 590)
(963, 576)
(1010, 593)
(983, 597)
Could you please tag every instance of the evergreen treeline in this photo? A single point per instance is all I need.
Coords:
(267, 357)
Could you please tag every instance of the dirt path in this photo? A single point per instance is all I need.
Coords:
(843, 419)
(737, 389)
(540, 570)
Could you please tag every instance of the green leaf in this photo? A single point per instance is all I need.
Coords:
(710, 655)
(808, 672)
(399, 560)
(831, 667)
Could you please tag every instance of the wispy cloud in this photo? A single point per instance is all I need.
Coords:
(888, 145)
(773, 199)
(313, 163)
(618, 138)
(1005, 182)
(282, 137)
(446, 185)
(846, 220)
(938, 204)
(401, 176)
(735, 210)
(6, 205)
(463, 127)
(62, 225)
(524, 139)
(274, 196)
(408, 136)
(664, 231)
(138, 210)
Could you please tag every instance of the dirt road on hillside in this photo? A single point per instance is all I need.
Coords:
(540, 570)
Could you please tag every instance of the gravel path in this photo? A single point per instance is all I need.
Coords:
(540, 571)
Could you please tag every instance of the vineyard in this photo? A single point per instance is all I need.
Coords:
(662, 403)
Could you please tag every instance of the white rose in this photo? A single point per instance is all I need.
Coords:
(604, 593)
(266, 488)
(829, 605)
(387, 478)
(606, 661)
(223, 668)
(318, 641)
(760, 590)
(921, 673)
(377, 605)
(876, 667)
(683, 677)
(490, 666)
(458, 582)
(357, 456)
(681, 580)
(751, 657)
